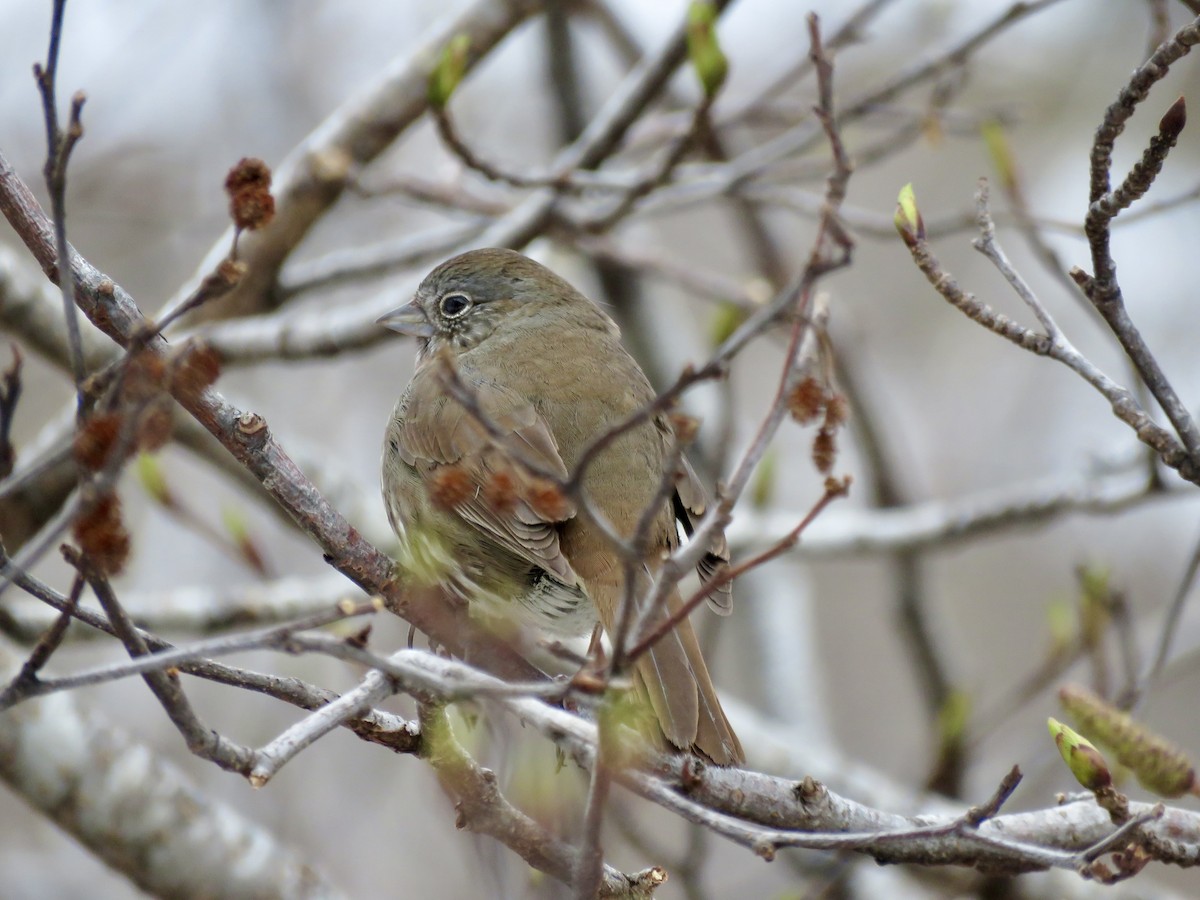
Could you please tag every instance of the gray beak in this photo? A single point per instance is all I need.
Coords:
(408, 319)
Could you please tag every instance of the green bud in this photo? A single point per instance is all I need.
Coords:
(996, 141)
(703, 49)
(1095, 603)
(150, 473)
(448, 73)
(235, 524)
(1086, 763)
(1062, 624)
(1095, 580)
(908, 219)
(725, 321)
(953, 716)
(763, 487)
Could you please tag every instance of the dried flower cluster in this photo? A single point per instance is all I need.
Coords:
(248, 185)
(813, 399)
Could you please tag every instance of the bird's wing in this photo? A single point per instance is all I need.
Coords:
(690, 502)
(481, 468)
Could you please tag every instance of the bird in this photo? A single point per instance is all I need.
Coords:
(516, 374)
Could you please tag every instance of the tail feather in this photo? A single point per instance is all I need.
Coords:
(681, 693)
(665, 674)
(671, 678)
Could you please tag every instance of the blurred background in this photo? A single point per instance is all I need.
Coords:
(177, 93)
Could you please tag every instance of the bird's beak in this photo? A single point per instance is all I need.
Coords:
(408, 319)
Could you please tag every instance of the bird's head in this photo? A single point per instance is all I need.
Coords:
(469, 298)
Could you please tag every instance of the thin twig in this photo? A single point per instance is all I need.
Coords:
(1167, 633)
(202, 741)
(1124, 405)
(660, 172)
(58, 153)
(831, 250)
(374, 688)
(987, 245)
(377, 727)
(1101, 286)
(10, 394)
(590, 867)
(833, 489)
(561, 180)
(50, 641)
(282, 636)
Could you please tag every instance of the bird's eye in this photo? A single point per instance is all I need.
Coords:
(454, 305)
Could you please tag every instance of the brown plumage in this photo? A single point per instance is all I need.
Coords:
(546, 367)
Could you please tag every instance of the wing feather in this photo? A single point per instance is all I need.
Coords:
(438, 430)
(690, 503)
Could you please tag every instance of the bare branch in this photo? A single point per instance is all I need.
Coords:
(375, 726)
(282, 636)
(1124, 405)
(59, 145)
(373, 689)
(483, 809)
(1101, 286)
(942, 523)
(201, 740)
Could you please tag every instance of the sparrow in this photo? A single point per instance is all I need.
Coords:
(472, 477)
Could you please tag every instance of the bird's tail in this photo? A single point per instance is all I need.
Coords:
(675, 680)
